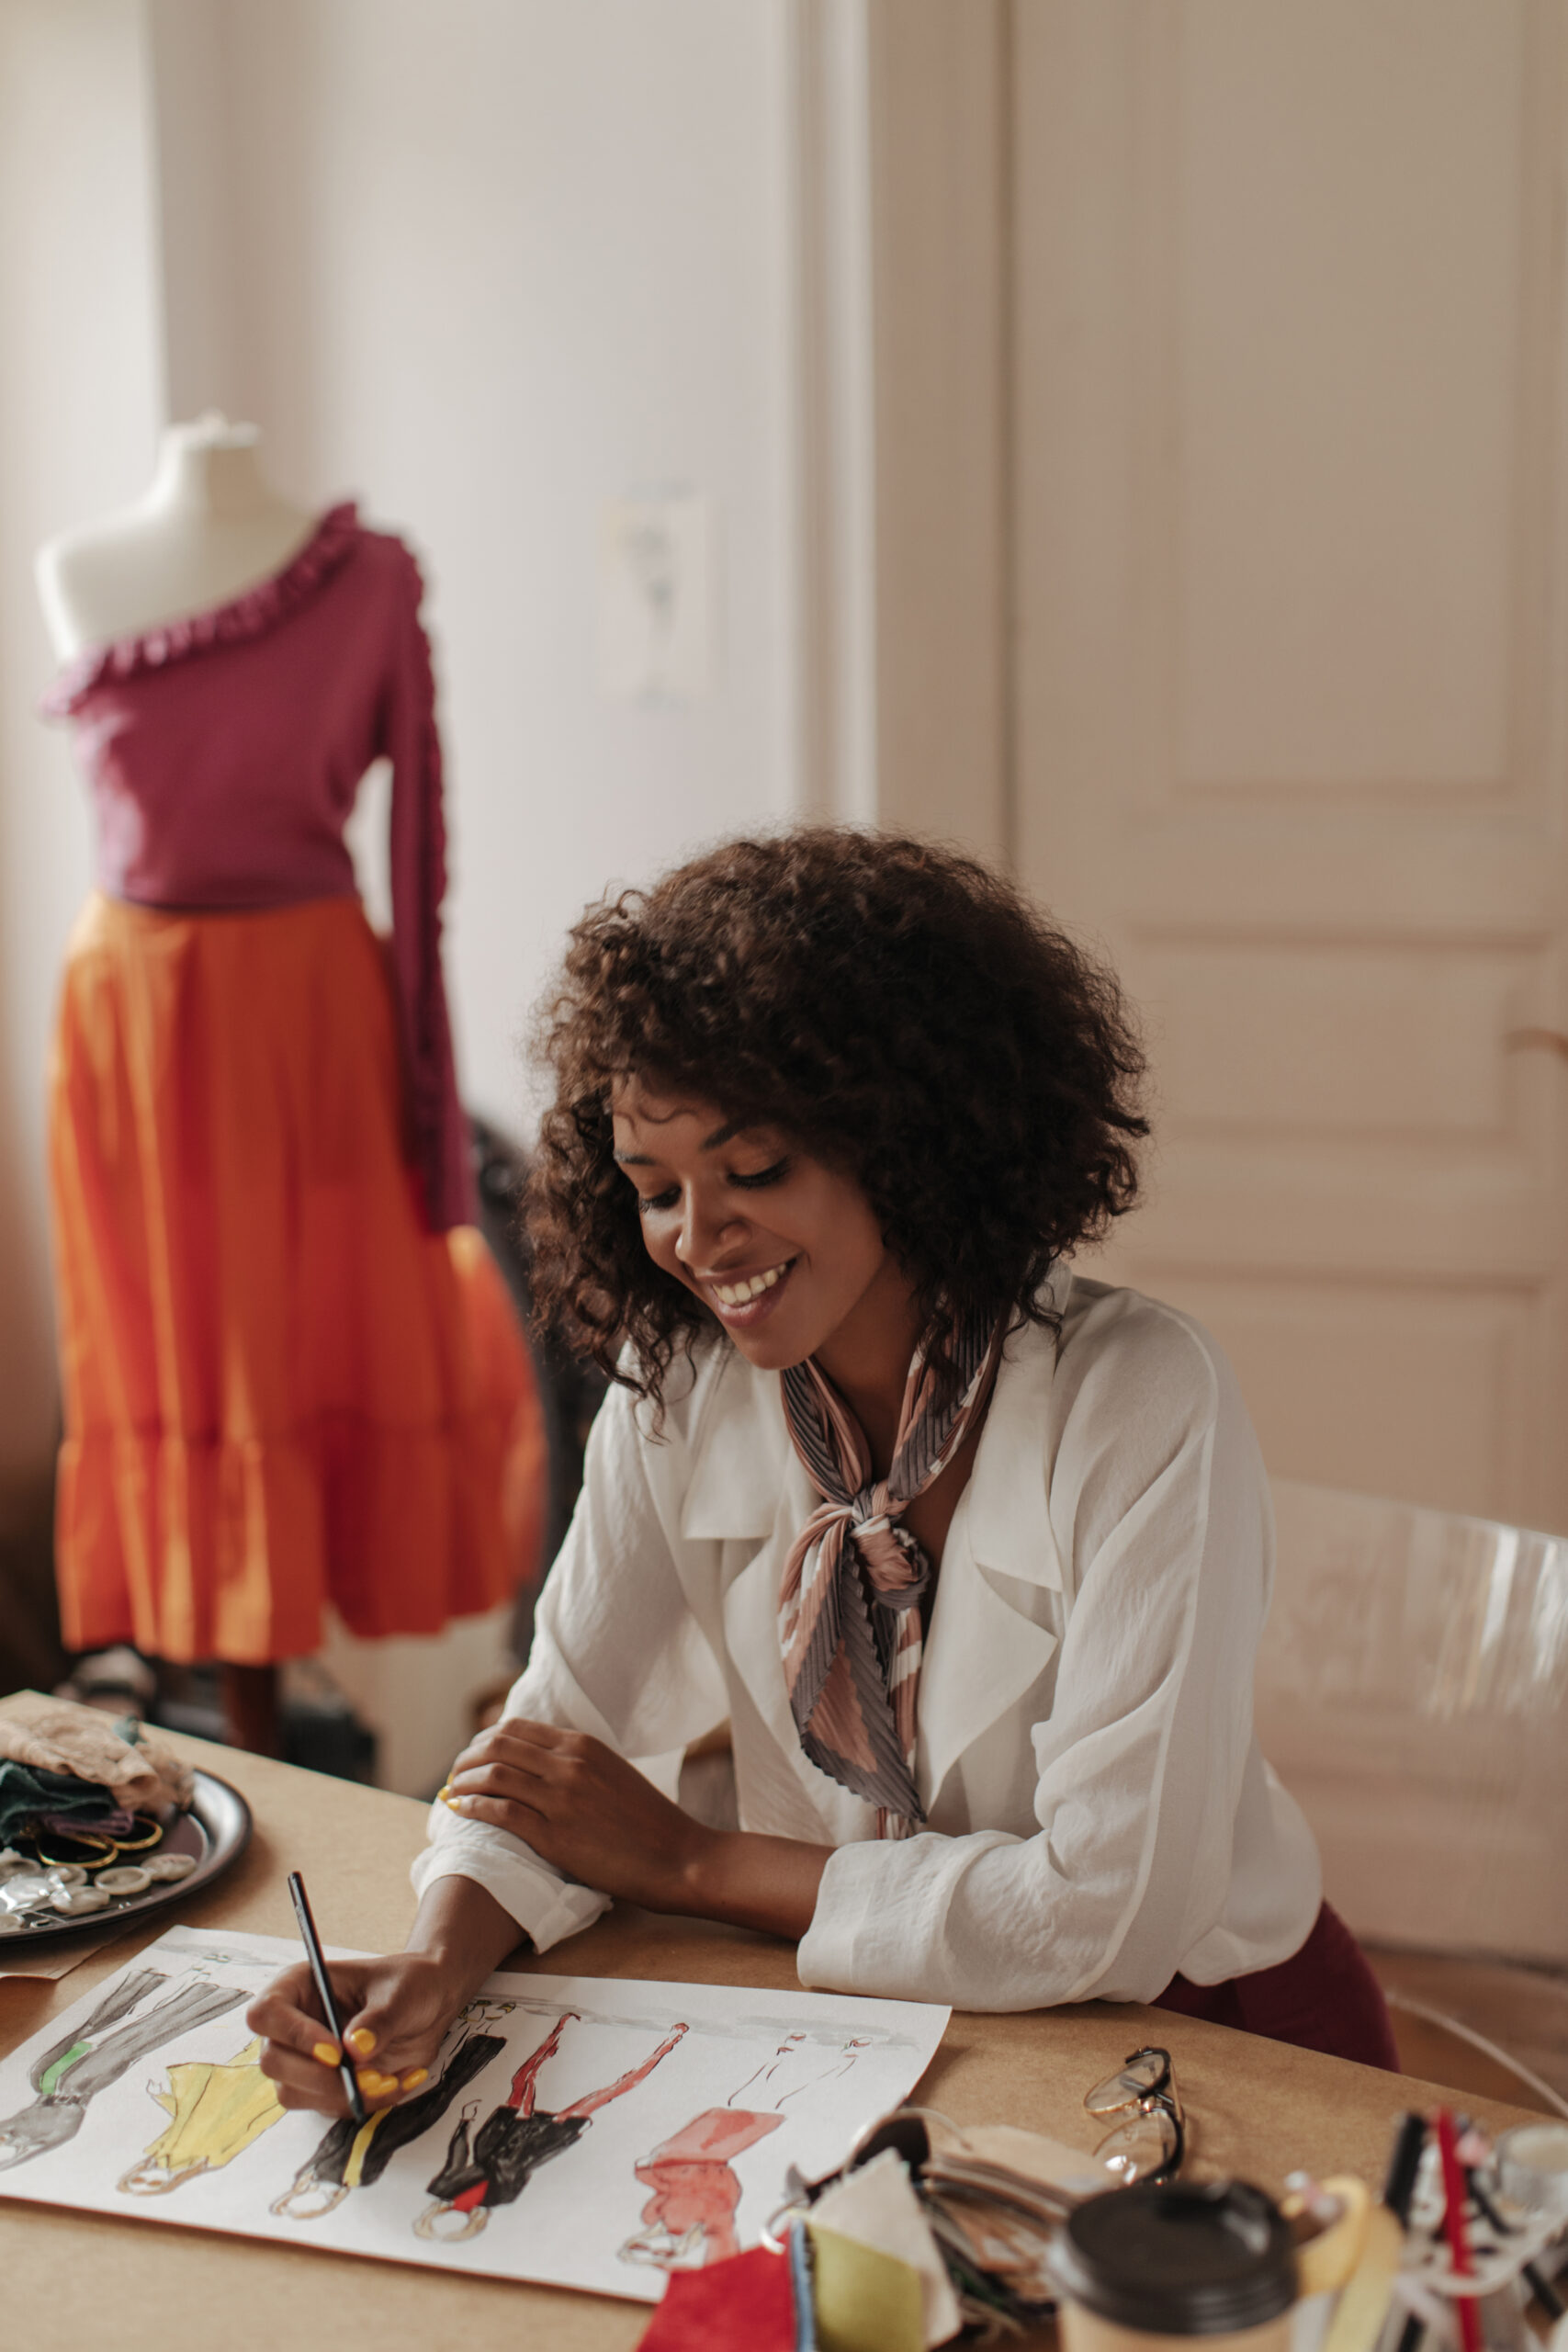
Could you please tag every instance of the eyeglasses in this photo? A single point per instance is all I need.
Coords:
(1151, 2143)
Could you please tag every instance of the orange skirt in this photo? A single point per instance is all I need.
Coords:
(280, 1389)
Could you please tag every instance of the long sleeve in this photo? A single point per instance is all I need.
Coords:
(417, 861)
(1150, 1794)
(617, 1653)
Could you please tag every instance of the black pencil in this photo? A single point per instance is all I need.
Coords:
(325, 1992)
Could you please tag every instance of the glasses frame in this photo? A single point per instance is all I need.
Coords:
(1162, 2098)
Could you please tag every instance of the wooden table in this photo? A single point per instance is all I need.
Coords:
(67, 2280)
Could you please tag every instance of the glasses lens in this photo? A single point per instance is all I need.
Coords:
(1136, 2079)
(1137, 2150)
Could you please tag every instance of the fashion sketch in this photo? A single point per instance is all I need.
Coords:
(494, 2165)
(689, 2220)
(215, 2113)
(71, 2071)
(355, 2155)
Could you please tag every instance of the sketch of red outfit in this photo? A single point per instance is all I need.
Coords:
(494, 2165)
(695, 2190)
(689, 2219)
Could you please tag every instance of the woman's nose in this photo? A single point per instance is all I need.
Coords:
(701, 1235)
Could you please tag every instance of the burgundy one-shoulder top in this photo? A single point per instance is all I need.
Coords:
(224, 751)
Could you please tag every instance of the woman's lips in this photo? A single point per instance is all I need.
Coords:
(742, 1307)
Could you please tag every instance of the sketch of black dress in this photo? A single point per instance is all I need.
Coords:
(89, 2057)
(355, 2155)
(494, 2165)
(695, 2191)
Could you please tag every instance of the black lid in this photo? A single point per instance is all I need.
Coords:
(1178, 2259)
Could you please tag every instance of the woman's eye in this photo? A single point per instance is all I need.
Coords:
(647, 1202)
(754, 1182)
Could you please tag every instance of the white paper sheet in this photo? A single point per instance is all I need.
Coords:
(653, 2133)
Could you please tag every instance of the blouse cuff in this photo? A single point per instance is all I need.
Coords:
(546, 1907)
(884, 1920)
(859, 1939)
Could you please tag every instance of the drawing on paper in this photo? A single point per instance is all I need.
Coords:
(89, 2056)
(629, 2130)
(514, 2140)
(215, 2112)
(689, 2219)
(355, 2155)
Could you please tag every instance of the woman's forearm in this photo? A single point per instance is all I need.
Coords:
(462, 1927)
(770, 1884)
(592, 1816)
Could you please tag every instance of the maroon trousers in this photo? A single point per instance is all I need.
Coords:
(1323, 1997)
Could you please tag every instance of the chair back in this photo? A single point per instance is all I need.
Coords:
(1412, 1694)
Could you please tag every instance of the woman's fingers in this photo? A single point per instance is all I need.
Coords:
(503, 1812)
(394, 2021)
(528, 1746)
(393, 2042)
(300, 2082)
(527, 1764)
(288, 2012)
(499, 1781)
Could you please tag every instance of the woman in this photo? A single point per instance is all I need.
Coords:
(971, 1552)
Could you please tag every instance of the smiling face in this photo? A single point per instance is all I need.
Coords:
(785, 1251)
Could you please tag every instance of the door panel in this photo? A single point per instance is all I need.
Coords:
(1291, 653)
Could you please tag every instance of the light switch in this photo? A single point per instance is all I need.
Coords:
(656, 598)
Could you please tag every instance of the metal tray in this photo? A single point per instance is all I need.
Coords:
(217, 1830)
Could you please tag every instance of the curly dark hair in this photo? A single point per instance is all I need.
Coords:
(896, 1008)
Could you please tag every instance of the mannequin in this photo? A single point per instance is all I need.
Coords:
(210, 526)
(270, 1406)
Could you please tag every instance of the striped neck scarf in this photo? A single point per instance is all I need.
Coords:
(849, 1603)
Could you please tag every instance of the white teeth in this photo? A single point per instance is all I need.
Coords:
(741, 1293)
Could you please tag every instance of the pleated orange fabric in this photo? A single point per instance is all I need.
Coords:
(281, 1388)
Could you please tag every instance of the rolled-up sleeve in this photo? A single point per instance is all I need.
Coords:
(1144, 1763)
(617, 1653)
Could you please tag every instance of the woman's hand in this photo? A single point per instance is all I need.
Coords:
(395, 2012)
(593, 1816)
(582, 1808)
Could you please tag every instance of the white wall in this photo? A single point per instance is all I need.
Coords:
(497, 261)
(80, 394)
(486, 263)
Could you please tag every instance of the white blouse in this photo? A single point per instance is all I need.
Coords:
(1100, 1814)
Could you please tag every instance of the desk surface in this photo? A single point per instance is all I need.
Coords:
(1257, 2109)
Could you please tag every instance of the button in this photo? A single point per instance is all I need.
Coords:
(124, 1878)
(75, 1900)
(167, 1866)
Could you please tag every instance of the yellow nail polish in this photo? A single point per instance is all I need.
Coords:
(362, 2041)
(370, 2081)
(327, 2053)
(415, 2075)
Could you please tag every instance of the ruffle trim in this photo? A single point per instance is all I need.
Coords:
(249, 616)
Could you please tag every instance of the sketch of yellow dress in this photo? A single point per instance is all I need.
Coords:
(215, 2112)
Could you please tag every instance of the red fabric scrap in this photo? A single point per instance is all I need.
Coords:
(747, 2300)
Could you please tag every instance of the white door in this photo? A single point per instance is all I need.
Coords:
(1291, 671)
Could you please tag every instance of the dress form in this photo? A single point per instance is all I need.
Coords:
(289, 1379)
(209, 527)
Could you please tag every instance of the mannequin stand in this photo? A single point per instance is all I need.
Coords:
(249, 1708)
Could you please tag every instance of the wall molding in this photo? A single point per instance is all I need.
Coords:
(903, 207)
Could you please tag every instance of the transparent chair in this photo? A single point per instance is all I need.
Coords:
(1412, 1694)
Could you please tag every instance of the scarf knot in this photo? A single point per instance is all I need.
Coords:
(850, 1619)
